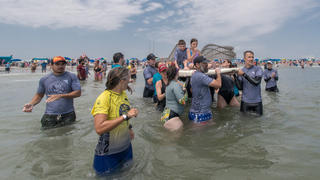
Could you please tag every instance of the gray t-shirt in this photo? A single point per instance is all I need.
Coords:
(267, 74)
(201, 96)
(52, 84)
(174, 93)
(251, 93)
(147, 74)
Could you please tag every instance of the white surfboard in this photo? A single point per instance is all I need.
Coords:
(188, 73)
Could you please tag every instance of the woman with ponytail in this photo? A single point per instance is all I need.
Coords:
(111, 113)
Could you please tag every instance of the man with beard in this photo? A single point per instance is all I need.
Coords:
(249, 80)
(200, 111)
(60, 87)
(148, 73)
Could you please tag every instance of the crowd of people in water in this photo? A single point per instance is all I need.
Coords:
(112, 112)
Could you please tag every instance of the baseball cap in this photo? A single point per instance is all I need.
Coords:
(200, 59)
(269, 62)
(151, 56)
(58, 59)
(162, 67)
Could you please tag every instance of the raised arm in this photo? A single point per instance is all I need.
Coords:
(256, 80)
(216, 83)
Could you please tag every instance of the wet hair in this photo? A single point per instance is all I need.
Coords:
(230, 63)
(171, 73)
(156, 65)
(193, 40)
(117, 56)
(248, 51)
(181, 42)
(115, 75)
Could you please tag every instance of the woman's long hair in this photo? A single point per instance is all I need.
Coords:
(115, 75)
(171, 73)
(230, 63)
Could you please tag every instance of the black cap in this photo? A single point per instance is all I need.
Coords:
(151, 56)
(200, 59)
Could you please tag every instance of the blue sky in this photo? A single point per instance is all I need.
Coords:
(99, 28)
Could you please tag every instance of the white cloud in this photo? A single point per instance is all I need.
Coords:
(153, 6)
(165, 15)
(89, 14)
(227, 20)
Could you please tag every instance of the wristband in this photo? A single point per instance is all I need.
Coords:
(125, 117)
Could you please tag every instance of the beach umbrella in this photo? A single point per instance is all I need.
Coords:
(6, 58)
(15, 60)
(100, 59)
(40, 59)
(67, 58)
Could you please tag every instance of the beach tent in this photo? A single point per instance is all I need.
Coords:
(40, 59)
(6, 58)
(15, 60)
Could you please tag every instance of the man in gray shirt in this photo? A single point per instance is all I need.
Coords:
(271, 77)
(148, 73)
(200, 111)
(249, 80)
(60, 87)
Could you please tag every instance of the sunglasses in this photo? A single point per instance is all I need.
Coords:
(60, 63)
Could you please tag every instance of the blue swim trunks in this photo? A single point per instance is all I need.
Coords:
(104, 165)
(200, 117)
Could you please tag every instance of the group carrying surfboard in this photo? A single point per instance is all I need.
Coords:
(200, 83)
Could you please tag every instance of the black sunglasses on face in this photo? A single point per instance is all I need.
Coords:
(60, 63)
